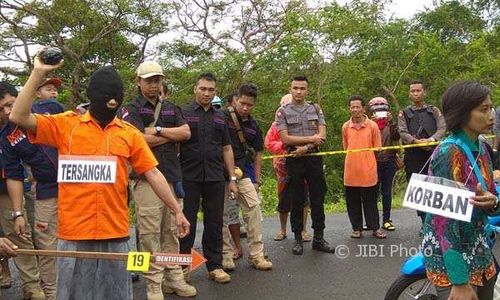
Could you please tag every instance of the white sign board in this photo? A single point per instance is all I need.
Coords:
(437, 199)
(86, 169)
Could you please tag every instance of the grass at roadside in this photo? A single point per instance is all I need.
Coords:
(269, 199)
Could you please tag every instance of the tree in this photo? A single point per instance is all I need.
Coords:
(90, 34)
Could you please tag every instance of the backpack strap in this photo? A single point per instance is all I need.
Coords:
(241, 136)
(157, 112)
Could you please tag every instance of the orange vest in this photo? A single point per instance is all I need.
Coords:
(94, 211)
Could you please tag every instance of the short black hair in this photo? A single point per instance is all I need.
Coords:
(248, 89)
(7, 88)
(230, 98)
(299, 78)
(356, 98)
(417, 81)
(208, 76)
(459, 100)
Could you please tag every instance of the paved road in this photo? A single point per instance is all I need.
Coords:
(313, 275)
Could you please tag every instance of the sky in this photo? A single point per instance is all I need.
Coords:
(408, 8)
(401, 8)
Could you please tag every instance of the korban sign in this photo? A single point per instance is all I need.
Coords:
(424, 194)
(86, 169)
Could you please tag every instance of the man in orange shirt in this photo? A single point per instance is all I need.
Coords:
(360, 171)
(93, 153)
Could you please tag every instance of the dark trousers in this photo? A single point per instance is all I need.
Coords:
(359, 200)
(300, 171)
(213, 209)
(386, 171)
(417, 161)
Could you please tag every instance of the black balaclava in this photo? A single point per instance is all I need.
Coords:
(105, 84)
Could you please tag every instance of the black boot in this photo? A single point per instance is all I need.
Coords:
(319, 243)
(298, 249)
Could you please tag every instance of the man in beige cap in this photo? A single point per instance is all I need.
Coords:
(163, 126)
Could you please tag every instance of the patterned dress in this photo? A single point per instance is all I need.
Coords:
(457, 252)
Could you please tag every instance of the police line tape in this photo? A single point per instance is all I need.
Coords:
(338, 152)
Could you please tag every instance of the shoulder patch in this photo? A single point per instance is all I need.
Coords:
(125, 113)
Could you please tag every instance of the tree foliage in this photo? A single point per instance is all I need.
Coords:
(343, 49)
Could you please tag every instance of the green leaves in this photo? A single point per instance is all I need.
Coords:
(343, 49)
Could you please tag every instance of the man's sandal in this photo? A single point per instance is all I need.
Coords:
(306, 237)
(389, 226)
(6, 283)
(280, 236)
(356, 234)
(238, 254)
(379, 234)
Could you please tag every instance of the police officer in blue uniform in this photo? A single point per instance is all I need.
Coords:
(302, 129)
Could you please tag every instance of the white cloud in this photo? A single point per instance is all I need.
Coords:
(404, 9)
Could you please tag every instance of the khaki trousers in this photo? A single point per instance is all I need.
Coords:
(157, 230)
(249, 202)
(45, 238)
(27, 265)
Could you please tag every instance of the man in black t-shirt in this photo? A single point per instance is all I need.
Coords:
(163, 127)
(248, 144)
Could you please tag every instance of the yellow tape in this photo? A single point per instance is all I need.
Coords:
(337, 152)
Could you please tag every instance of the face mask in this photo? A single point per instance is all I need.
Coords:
(105, 84)
(381, 123)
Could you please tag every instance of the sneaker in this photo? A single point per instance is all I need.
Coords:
(260, 263)
(178, 287)
(228, 264)
(319, 244)
(153, 292)
(219, 276)
(34, 294)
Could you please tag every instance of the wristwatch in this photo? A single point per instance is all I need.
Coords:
(310, 148)
(158, 130)
(232, 178)
(17, 214)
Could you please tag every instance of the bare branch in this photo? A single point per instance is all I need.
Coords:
(13, 72)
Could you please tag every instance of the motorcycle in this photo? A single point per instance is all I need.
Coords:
(413, 284)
